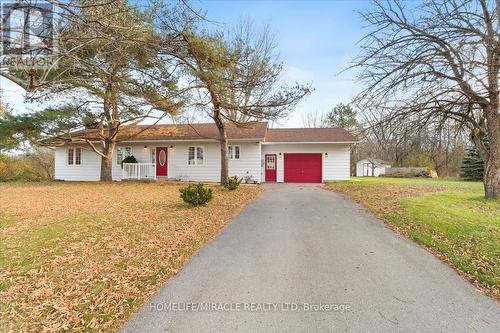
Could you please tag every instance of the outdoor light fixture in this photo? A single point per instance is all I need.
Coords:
(280, 154)
(326, 154)
(145, 147)
(171, 147)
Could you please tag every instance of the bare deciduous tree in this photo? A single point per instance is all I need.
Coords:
(234, 77)
(314, 119)
(437, 60)
(437, 145)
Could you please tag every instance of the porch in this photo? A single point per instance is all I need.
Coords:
(139, 171)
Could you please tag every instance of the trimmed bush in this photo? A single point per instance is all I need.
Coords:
(129, 159)
(196, 194)
(232, 183)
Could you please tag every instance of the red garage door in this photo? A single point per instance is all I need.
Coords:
(302, 168)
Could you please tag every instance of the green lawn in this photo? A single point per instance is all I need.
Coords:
(449, 217)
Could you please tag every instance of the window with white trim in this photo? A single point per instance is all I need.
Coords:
(74, 156)
(121, 153)
(233, 152)
(196, 155)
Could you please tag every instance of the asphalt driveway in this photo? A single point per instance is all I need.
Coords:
(302, 259)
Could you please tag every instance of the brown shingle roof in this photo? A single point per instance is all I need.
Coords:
(328, 134)
(256, 130)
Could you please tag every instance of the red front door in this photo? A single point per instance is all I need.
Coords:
(271, 168)
(302, 168)
(161, 161)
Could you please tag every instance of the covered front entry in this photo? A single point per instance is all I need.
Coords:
(303, 168)
(161, 161)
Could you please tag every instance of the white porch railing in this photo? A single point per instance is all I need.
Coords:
(139, 171)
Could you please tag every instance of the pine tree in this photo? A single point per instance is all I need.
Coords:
(472, 167)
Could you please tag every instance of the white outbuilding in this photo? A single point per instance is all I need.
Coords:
(371, 167)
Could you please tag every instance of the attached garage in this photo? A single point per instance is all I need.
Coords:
(306, 155)
(302, 168)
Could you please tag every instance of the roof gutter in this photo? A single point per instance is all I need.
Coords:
(178, 140)
(306, 142)
(189, 140)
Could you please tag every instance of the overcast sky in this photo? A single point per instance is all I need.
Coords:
(316, 40)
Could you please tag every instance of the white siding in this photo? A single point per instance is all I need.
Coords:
(336, 166)
(178, 168)
(249, 162)
(90, 169)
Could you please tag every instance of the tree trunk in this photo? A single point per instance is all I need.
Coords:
(492, 115)
(110, 107)
(107, 163)
(492, 163)
(224, 161)
(106, 168)
(492, 176)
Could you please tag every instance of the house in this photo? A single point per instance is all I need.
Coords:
(191, 152)
(371, 167)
